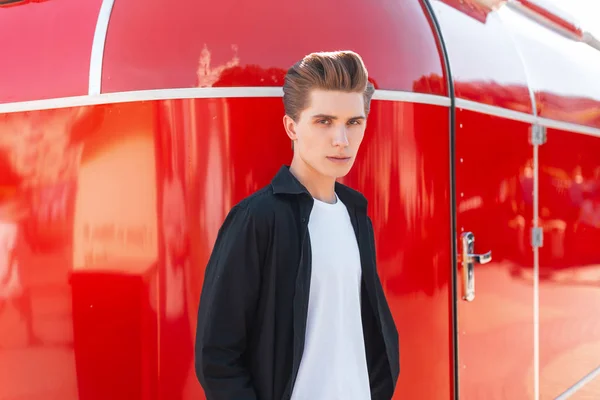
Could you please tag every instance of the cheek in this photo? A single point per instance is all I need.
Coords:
(310, 137)
(357, 137)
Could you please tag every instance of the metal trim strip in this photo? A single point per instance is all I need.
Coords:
(98, 43)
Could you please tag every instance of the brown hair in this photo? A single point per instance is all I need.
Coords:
(338, 70)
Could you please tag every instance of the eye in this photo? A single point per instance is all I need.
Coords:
(323, 121)
(354, 122)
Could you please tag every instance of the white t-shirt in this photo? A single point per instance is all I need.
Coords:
(333, 365)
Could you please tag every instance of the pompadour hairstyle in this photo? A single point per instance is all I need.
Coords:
(338, 70)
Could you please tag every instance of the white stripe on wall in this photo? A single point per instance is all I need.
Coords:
(277, 91)
(198, 93)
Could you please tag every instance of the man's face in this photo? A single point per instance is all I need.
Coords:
(329, 131)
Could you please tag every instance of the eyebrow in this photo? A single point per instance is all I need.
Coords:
(334, 117)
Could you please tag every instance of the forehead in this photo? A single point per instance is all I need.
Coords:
(336, 103)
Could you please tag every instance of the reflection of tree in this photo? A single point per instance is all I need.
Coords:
(40, 146)
(44, 149)
(208, 75)
(251, 75)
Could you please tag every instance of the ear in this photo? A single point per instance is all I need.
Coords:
(290, 127)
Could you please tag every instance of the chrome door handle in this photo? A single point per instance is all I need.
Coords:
(469, 258)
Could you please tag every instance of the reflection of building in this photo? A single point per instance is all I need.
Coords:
(114, 225)
(207, 76)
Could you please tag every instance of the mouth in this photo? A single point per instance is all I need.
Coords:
(339, 159)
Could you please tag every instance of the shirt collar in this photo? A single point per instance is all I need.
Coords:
(284, 182)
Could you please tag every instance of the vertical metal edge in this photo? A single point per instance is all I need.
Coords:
(98, 43)
(536, 278)
(452, 179)
(536, 252)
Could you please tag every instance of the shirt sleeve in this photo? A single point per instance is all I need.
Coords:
(226, 309)
(382, 380)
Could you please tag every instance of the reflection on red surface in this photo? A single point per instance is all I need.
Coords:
(569, 261)
(112, 305)
(579, 110)
(146, 50)
(513, 97)
(482, 53)
(39, 165)
(494, 202)
(80, 185)
(488, 64)
(210, 148)
(562, 72)
(115, 255)
(34, 65)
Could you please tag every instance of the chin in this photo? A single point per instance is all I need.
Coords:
(342, 173)
(339, 171)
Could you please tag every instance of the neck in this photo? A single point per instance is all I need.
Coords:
(319, 186)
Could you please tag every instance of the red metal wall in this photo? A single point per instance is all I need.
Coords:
(108, 212)
(111, 249)
(46, 49)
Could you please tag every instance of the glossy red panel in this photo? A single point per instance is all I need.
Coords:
(563, 73)
(494, 182)
(108, 216)
(164, 44)
(211, 153)
(484, 62)
(569, 263)
(211, 157)
(79, 250)
(46, 48)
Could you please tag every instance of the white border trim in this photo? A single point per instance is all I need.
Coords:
(524, 117)
(97, 56)
(495, 111)
(411, 97)
(277, 91)
(575, 388)
(142, 95)
(568, 126)
(198, 93)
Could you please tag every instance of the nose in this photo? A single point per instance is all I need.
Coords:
(341, 137)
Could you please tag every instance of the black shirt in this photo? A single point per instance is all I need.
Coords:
(254, 301)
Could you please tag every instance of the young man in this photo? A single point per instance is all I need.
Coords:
(292, 306)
